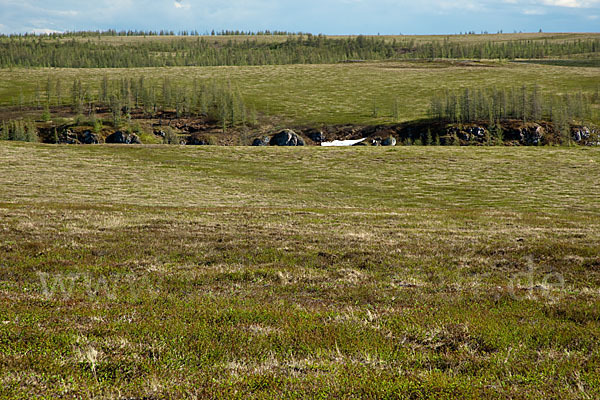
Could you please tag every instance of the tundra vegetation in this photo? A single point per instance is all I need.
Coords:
(228, 272)
(151, 272)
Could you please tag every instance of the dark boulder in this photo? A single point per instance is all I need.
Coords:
(264, 141)
(389, 141)
(287, 137)
(88, 137)
(201, 139)
(315, 135)
(533, 135)
(580, 134)
(123, 138)
(514, 135)
(198, 141)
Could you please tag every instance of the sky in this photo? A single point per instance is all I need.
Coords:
(310, 16)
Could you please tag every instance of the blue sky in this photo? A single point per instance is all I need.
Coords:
(316, 16)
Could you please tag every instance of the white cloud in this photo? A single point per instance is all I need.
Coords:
(179, 4)
(571, 3)
(470, 5)
(556, 3)
(65, 13)
(44, 31)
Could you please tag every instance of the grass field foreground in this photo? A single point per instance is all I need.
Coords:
(227, 272)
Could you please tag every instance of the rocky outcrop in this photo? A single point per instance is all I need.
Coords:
(512, 132)
(85, 137)
(88, 137)
(471, 134)
(594, 139)
(513, 135)
(287, 137)
(586, 136)
(264, 141)
(195, 141)
(533, 135)
(580, 134)
(69, 137)
(201, 140)
(315, 135)
(123, 138)
(389, 141)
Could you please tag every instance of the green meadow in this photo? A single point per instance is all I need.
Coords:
(158, 272)
(355, 93)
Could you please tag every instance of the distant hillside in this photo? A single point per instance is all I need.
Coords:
(105, 50)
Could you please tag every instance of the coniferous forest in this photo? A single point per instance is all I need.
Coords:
(526, 104)
(68, 51)
(120, 98)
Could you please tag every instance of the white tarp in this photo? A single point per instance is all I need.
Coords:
(341, 143)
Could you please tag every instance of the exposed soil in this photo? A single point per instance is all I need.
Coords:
(65, 128)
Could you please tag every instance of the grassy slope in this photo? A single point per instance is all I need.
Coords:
(333, 94)
(251, 272)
